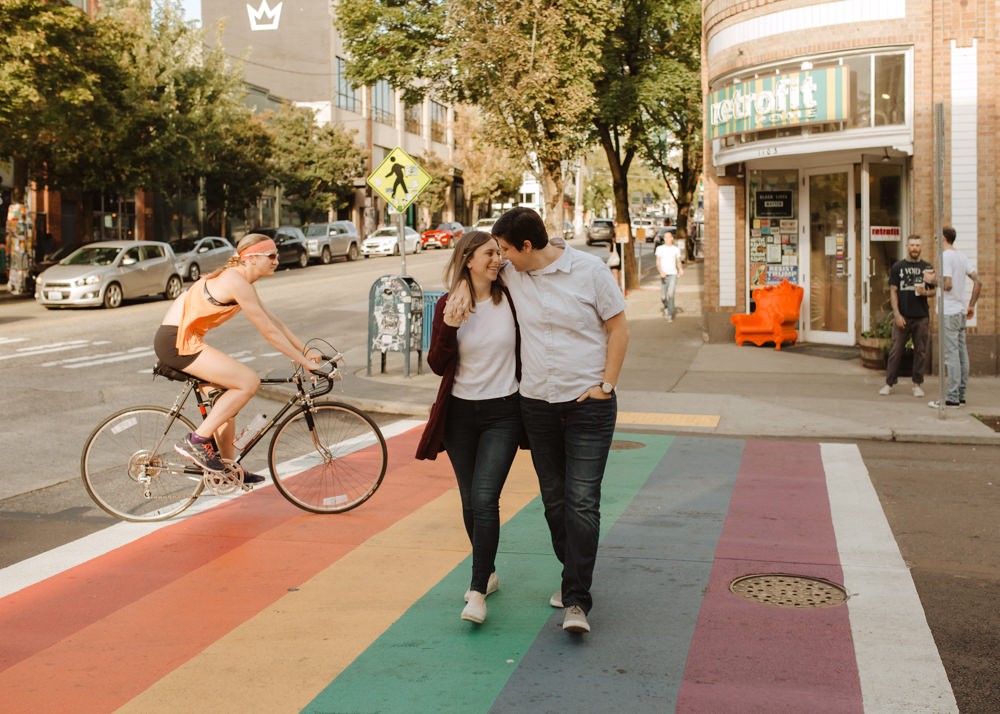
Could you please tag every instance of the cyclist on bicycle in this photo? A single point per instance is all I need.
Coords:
(208, 303)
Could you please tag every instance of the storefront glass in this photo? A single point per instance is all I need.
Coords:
(829, 276)
(774, 248)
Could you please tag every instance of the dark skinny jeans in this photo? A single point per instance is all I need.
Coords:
(481, 438)
(569, 449)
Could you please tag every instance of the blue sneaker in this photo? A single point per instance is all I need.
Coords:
(202, 454)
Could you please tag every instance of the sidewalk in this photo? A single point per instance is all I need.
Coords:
(751, 391)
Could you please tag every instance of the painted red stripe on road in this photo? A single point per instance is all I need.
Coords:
(137, 612)
(764, 657)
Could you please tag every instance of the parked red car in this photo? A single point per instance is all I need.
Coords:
(444, 236)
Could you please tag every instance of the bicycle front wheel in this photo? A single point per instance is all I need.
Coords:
(328, 458)
(130, 467)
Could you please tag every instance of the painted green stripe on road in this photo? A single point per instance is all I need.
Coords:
(430, 660)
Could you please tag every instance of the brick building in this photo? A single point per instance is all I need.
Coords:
(821, 153)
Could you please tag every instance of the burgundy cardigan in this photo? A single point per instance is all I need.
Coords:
(442, 357)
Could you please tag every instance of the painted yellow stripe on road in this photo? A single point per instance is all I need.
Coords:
(292, 650)
(709, 421)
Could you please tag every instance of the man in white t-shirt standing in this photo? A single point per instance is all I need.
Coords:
(955, 269)
(670, 266)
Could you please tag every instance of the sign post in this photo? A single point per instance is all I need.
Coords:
(399, 180)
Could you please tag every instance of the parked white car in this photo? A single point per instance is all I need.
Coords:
(107, 272)
(385, 241)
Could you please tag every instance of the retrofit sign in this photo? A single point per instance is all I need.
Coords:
(782, 100)
(398, 179)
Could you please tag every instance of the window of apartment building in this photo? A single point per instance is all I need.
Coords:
(527, 198)
(347, 94)
(439, 122)
(412, 118)
(875, 93)
(383, 103)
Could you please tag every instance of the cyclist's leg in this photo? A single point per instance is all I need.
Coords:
(241, 384)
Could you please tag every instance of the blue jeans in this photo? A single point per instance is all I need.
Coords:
(569, 449)
(668, 287)
(956, 357)
(481, 439)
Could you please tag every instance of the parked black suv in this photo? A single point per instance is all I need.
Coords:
(291, 242)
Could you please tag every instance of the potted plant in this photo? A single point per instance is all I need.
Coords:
(874, 343)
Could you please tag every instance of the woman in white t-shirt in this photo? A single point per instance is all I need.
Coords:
(476, 417)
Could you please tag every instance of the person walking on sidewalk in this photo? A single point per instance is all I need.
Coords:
(575, 334)
(955, 268)
(670, 266)
(911, 282)
(476, 417)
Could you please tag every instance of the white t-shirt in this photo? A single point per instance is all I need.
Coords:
(667, 257)
(561, 309)
(486, 343)
(955, 266)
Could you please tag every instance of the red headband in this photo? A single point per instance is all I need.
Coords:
(265, 246)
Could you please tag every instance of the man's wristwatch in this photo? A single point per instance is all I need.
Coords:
(607, 387)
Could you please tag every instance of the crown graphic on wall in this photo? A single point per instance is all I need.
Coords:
(264, 17)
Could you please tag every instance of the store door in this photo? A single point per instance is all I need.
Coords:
(827, 267)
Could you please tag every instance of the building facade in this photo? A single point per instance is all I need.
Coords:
(822, 150)
(293, 51)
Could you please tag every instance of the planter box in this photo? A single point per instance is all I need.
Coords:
(874, 351)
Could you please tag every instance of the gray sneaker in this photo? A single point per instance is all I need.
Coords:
(202, 454)
(556, 599)
(575, 619)
(492, 585)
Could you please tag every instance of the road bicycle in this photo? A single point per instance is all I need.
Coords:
(324, 456)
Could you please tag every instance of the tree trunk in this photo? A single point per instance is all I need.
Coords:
(553, 187)
(619, 183)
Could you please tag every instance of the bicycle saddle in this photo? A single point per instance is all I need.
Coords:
(170, 373)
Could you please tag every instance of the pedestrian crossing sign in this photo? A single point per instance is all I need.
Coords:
(398, 179)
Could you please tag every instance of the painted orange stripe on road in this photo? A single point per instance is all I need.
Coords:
(122, 620)
(308, 637)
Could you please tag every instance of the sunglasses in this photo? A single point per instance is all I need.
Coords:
(269, 256)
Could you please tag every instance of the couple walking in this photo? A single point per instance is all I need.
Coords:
(529, 342)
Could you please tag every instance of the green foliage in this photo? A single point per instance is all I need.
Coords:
(882, 329)
(490, 172)
(313, 164)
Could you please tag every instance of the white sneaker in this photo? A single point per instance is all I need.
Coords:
(492, 585)
(556, 599)
(886, 390)
(917, 391)
(475, 608)
(575, 620)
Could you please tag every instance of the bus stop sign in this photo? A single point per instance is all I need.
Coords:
(398, 179)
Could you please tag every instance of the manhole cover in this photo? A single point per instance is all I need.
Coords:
(789, 590)
(618, 444)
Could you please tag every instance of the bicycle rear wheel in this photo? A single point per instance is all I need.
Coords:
(130, 467)
(328, 458)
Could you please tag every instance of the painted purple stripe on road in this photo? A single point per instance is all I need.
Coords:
(764, 657)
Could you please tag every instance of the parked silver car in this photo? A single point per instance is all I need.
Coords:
(107, 272)
(194, 256)
(327, 241)
(385, 241)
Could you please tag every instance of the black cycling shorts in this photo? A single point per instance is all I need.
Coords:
(165, 346)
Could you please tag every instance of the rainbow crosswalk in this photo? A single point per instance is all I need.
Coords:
(254, 606)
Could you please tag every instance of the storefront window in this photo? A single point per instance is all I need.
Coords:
(890, 89)
(885, 205)
(774, 228)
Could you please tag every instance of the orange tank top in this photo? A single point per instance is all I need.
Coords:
(201, 312)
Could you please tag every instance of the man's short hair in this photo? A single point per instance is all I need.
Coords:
(949, 234)
(913, 236)
(521, 224)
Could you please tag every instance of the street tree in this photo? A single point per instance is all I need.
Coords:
(528, 64)
(315, 165)
(635, 61)
(59, 72)
(490, 172)
(672, 142)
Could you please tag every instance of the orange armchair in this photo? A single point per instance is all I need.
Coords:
(775, 319)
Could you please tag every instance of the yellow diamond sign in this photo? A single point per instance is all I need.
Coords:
(398, 179)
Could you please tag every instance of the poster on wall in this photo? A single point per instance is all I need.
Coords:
(758, 274)
(777, 273)
(773, 204)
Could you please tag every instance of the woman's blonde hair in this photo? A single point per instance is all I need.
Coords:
(457, 269)
(245, 242)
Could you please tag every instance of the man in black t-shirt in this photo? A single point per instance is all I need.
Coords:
(911, 282)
